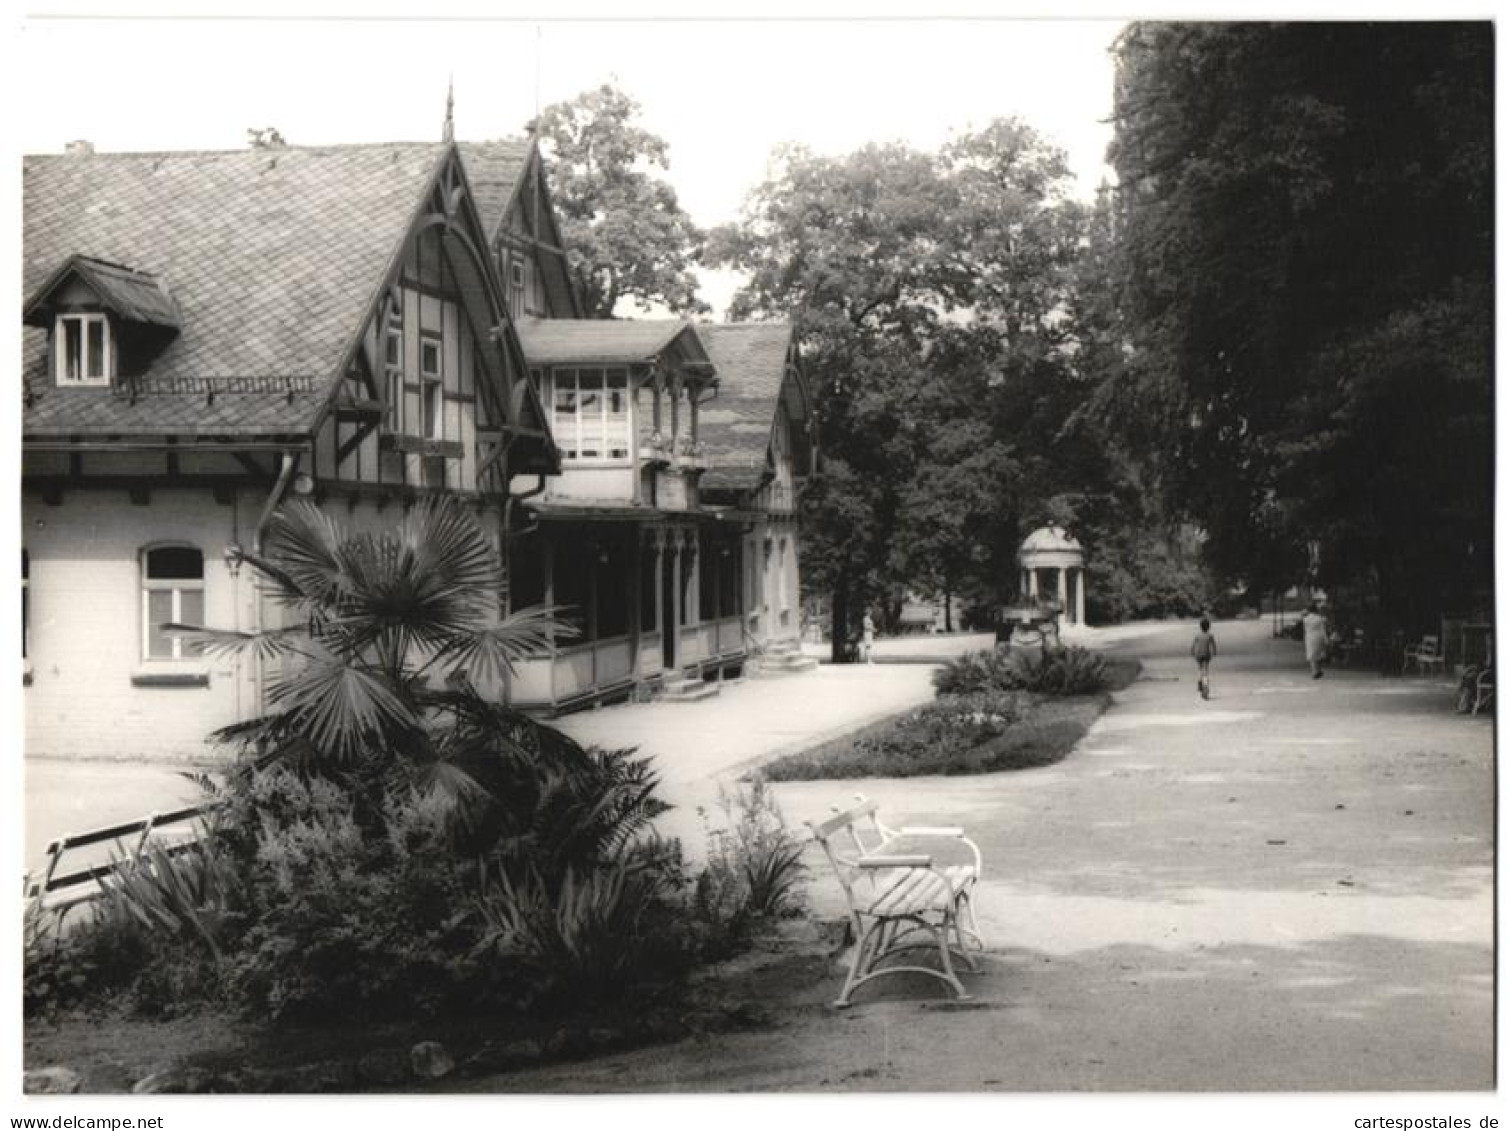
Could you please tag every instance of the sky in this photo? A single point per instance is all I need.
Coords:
(722, 93)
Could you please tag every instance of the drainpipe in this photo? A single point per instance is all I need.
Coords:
(279, 489)
(537, 489)
(290, 465)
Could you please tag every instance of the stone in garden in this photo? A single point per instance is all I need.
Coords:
(430, 1061)
(171, 1081)
(52, 1082)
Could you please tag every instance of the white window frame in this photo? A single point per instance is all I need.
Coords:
(393, 371)
(432, 385)
(25, 604)
(178, 586)
(60, 352)
(570, 434)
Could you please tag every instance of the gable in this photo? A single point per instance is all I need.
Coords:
(513, 199)
(445, 254)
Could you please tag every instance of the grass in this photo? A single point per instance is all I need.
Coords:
(1045, 729)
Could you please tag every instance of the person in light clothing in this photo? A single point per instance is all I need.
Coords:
(867, 640)
(1203, 649)
(1316, 635)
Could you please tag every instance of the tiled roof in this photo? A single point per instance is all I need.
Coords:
(493, 169)
(734, 427)
(583, 341)
(93, 412)
(137, 296)
(272, 256)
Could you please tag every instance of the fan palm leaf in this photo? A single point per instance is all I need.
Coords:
(304, 543)
(490, 652)
(269, 644)
(342, 708)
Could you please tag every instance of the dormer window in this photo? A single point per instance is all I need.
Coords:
(82, 349)
(105, 320)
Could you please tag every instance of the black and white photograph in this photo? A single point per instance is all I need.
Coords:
(792, 553)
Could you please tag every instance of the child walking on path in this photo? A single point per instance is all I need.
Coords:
(1203, 649)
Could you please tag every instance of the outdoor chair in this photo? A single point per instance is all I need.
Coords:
(1476, 689)
(1425, 656)
(899, 897)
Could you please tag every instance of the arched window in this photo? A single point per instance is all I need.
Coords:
(172, 582)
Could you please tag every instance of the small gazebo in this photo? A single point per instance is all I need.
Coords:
(1053, 566)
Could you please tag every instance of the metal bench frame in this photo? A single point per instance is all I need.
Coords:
(900, 901)
(59, 892)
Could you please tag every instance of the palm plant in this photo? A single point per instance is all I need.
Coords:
(376, 673)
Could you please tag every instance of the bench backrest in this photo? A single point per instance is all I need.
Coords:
(847, 837)
(129, 840)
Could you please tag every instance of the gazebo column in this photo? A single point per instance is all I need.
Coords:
(1063, 589)
(1079, 589)
(1032, 583)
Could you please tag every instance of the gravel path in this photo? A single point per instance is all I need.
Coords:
(1286, 888)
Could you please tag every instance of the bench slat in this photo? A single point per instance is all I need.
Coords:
(824, 829)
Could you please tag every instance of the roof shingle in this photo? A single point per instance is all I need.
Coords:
(493, 169)
(735, 427)
(582, 341)
(272, 257)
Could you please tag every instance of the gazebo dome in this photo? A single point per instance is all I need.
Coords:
(1051, 540)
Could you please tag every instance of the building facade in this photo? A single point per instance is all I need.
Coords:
(207, 334)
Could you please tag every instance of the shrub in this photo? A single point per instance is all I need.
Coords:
(1066, 671)
(975, 672)
(343, 921)
(754, 868)
(1063, 671)
(594, 934)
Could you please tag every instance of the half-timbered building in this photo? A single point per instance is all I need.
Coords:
(206, 333)
(667, 590)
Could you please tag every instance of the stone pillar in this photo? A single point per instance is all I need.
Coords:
(1079, 604)
(1032, 583)
(1063, 588)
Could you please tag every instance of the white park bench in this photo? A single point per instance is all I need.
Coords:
(58, 891)
(901, 896)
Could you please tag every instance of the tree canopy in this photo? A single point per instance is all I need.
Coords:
(626, 236)
(933, 295)
(1305, 219)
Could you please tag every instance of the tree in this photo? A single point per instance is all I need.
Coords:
(930, 292)
(626, 236)
(375, 618)
(1307, 226)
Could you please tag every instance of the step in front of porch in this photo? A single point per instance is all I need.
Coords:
(784, 658)
(687, 690)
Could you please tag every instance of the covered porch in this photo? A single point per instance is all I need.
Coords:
(649, 596)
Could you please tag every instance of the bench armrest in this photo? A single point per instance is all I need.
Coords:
(932, 830)
(910, 861)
